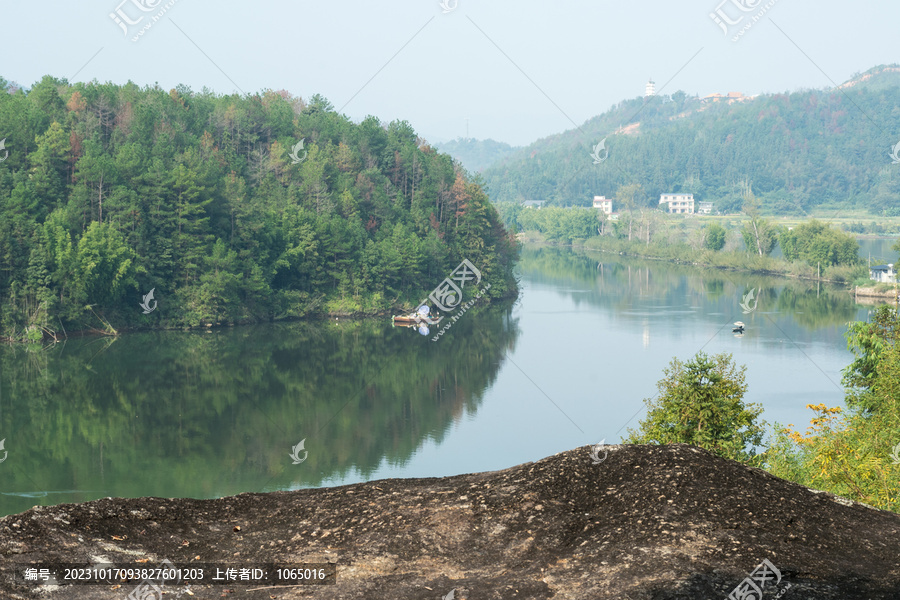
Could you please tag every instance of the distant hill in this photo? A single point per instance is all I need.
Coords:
(813, 148)
(875, 79)
(476, 155)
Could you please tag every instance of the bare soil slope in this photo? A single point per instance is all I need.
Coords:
(649, 522)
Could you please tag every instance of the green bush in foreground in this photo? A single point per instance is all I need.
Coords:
(872, 344)
(854, 454)
(850, 455)
(701, 403)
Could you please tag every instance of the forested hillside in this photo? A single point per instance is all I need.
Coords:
(109, 191)
(796, 151)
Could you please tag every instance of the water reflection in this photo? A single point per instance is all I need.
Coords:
(684, 292)
(216, 413)
(622, 320)
(209, 414)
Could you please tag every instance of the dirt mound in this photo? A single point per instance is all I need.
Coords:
(648, 522)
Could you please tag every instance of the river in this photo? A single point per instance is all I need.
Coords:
(215, 413)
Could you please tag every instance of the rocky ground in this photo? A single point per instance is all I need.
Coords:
(649, 522)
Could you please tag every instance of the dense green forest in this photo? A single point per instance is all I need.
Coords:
(231, 208)
(798, 151)
(476, 155)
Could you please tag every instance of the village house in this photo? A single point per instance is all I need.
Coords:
(603, 203)
(678, 203)
(883, 273)
(704, 208)
(534, 203)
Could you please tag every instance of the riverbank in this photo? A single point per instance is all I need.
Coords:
(332, 311)
(734, 260)
(683, 255)
(645, 522)
(880, 291)
(877, 295)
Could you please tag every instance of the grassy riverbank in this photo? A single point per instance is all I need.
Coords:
(810, 248)
(723, 259)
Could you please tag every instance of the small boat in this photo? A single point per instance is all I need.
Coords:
(414, 319)
(738, 327)
(420, 316)
(405, 318)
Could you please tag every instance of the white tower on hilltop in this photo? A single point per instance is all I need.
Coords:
(650, 89)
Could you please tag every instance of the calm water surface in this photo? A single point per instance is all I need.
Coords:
(209, 414)
(878, 250)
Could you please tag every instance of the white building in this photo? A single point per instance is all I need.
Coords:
(883, 273)
(650, 90)
(704, 208)
(678, 203)
(603, 203)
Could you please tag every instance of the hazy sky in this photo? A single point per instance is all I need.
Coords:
(517, 70)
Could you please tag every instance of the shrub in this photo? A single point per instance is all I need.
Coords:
(701, 403)
(715, 237)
